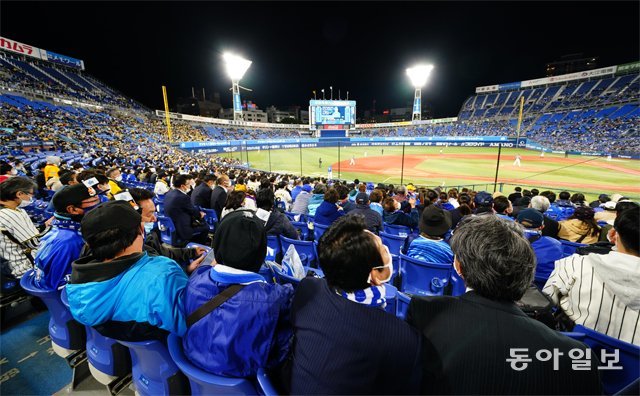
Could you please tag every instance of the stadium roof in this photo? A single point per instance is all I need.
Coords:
(298, 47)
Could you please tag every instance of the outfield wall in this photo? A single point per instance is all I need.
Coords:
(230, 146)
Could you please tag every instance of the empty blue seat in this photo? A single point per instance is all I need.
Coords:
(458, 286)
(306, 250)
(154, 371)
(203, 382)
(629, 358)
(394, 242)
(423, 278)
(67, 335)
(318, 230)
(167, 229)
(569, 248)
(273, 247)
(211, 218)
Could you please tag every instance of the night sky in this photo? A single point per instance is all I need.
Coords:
(296, 47)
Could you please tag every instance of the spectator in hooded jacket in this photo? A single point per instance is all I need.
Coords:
(394, 215)
(276, 223)
(301, 203)
(547, 249)
(329, 211)
(581, 227)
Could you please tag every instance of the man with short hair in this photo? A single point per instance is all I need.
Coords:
(343, 197)
(63, 243)
(201, 195)
(372, 219)
(219, 194)
(178, 207)
(119, 289)
(115, 179)
(503, 207)
(516, 195)
(471, 342)
(600, 291)
(547, 249)
(542, 205)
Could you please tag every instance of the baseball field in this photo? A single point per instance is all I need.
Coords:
(457, 166)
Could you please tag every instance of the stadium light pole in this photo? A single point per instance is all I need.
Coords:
(331, 88)
(418, 76)
(322, 93)
(236, 67)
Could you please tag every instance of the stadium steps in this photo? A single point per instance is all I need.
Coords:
(41, 70)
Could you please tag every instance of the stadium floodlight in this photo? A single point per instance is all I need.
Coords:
(418, 76)
(236, 67)
(331, 88)
(322, 93)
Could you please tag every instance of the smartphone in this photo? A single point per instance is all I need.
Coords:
(209, 258)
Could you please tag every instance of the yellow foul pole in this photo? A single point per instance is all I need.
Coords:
(166, 112)
(519, 120)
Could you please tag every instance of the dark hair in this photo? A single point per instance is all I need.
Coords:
(624, 205)
(10, 188)
(141, 194)
(551, 196)
(586, 215)
(347, 254)
(500, 204)
(331, 195)
(66, 176)
(111, 171)
(375, 196)
(452, 193)
(235, 199)
(389, 204)
(577, 198)
(534, 191)
(464, 200)
(106, 244)
(432, 195)
(265, 183)
(495, 259)
(208, 178)
(342, 190)
(180, 180)
(627, 226)
(518, 189)
(564, 195)
(265, 199)
(526, 193)
(5, 167)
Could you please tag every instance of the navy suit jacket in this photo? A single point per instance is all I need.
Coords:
(201, 196)
(178, 206)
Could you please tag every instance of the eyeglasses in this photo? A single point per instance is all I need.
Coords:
(28, 193)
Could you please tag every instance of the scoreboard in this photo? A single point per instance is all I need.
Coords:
(332, 114)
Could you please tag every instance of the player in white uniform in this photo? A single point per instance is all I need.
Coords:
(517, 161)
(353, 160)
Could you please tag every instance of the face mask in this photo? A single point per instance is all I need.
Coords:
(389, 265)
(14, 171)
(148, 227)
(119, 178)
(24, 203)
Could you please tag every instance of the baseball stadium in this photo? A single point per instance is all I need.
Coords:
(197, 244)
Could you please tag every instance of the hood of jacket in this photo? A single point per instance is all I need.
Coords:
(621, 274)
(391, 217)
(88, 269)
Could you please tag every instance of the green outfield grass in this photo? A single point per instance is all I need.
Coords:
(457, 166)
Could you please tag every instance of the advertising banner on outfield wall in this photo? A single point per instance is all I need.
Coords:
(62, 59)
(20, 48)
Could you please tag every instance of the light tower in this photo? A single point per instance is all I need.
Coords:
(236, 67)
(418, 75)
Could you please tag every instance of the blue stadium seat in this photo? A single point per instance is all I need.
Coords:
(274, 248)
(402, 304)
(399, 230)
(203, 382)
(394, 242)
(306, 250)
(318, 230)
(569, 248)
(629, 355)
(391, 297)
(423, 278)
(211, 218)
(167, 229)
(67, 335)
(458, 286)
(154, 371)
(303, 227)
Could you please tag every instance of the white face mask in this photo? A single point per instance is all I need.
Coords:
(14, 171)
(24, 203)
(119, 178)
(388, 264)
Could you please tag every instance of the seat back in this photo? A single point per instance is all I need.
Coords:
(399, 230)
(306, 250)
(423, 278)
(265, 386)
(402, 304)
(153, 370)
(390, 295)
(273, 247)
(211, 218)
(629, 358)
(318, 230)
(458, 286)
(304, 229)
(569, 248)
(205, 383)
(64, 331)
(167, 229)
(394, 242)
(107, 355)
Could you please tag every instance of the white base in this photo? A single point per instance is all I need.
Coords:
(61, 351)
(103, 378)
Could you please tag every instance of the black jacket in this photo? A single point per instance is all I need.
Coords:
(218, 199)
(201, 196)
(371, 217)
(467, 342)
(279, 224)
(178, 206)
(551, 227)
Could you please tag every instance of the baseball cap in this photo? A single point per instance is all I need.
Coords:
(307, 188)
(362, 198)
(71, 195)
(435, 221)
(610, 205)
(110, 215)
(411, 187)
(483, 198)
(241, 241)
(530, 218)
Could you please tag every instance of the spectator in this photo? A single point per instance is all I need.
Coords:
(6, 171)
(186, 218)
(602, 199)
(497, 264)
(120, 290)
(316, 199)
(430, 245)
(581, 227)
(516, 195)
(329, 211)
(276, 223)
(372, 219)
(250, 200)
(251, 329)
(376, 201)
(296, 189)
(201, 195)
(600, 291)
(463, 209)
(301, 202)
(283, 195)
(547, 249)
(523, 203)
(393, 214)
(340, 336)
(343, 197)
(563, 199)
(608, 214)
(578, 200)
(502, 207)
(219, 194)
(19, 237)
(52, 167)
(235, 201)
(63, 243)
(115, 181)
(452, 195)
(161, 186)
(542, 205)
(483, 203)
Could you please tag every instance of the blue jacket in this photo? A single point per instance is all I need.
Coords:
(547, 251)
(314, 202)
(251, 330)
(430, 251)
(59, 247)
(400, 218)
(327, 213)
(131, 290)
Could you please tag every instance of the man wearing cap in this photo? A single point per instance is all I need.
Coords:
(430, 245)
(251, 329)
(608, 214)
(372, 219)
(547, 249)
(483, 203)
(63, 243)
(119, 289)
